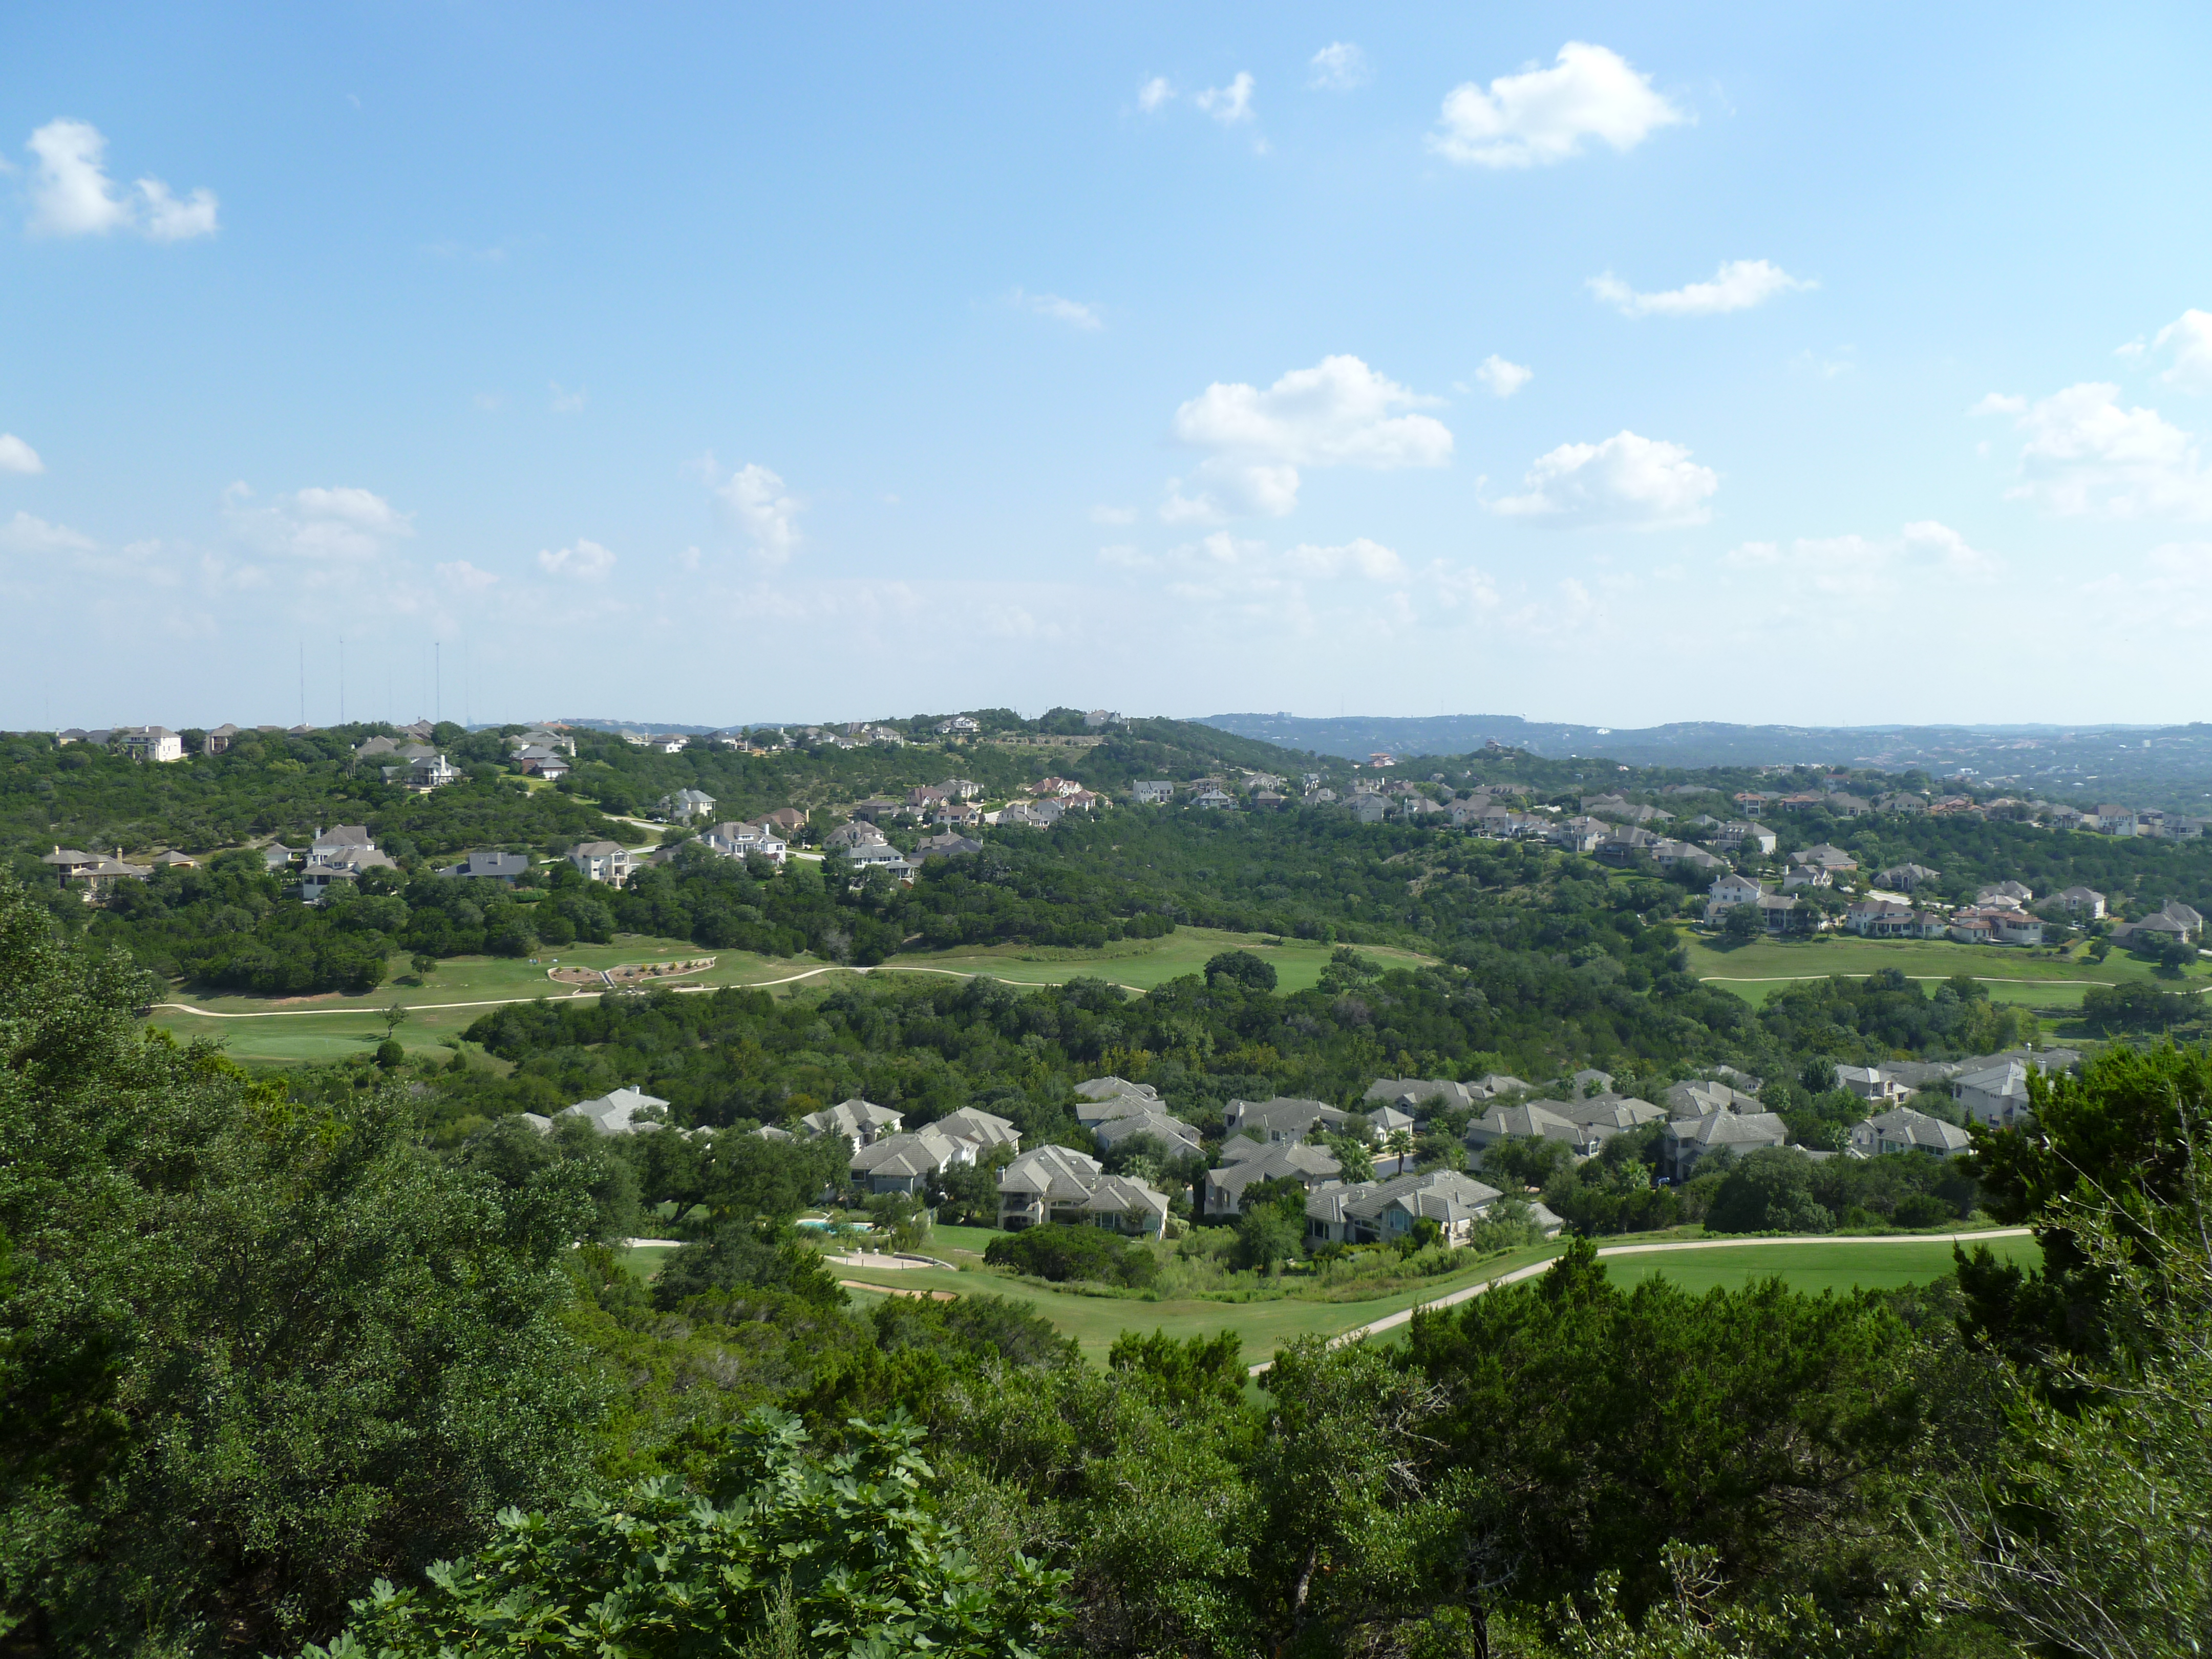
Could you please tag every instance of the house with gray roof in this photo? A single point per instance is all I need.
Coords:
(1608, 1113)
(1283, 1119)
(1700, 1097)
(684, 804)
(1248, 1161)
(619, 1112)
(1538, 1120)
(1172, 1133)
(1057, 1184)
(1384, 1212)
(1685, 1140)
(605, 861)
(986, 1131)
(1904, 1130)
(489, 865)
(1997, 1096)
(859, 1121)
(905, 1162)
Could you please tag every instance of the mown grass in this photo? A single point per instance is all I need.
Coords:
(446, 1001)
(1756, 970)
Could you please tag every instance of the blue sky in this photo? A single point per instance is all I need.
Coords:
(1614, 364)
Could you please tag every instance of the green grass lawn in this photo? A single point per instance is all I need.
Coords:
(1752, 971)
(1810, 1268)
(1094, 1322)
(453, 996)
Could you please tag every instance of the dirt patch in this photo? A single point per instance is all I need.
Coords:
(630, 973)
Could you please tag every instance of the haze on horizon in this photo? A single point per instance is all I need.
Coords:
(1594, 363)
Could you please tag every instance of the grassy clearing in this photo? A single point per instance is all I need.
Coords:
(1811, 1269)
(1755, 970)
(283, 1030)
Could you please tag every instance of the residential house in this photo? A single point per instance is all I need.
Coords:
(2006, 893)
(1848, 807)
(1784, 914)
(1576, 835)
(1044, 788)
(786, 821)
(1153, 791)
(923, 798)
(2113, 820)
(2176, 922)
(1997, 1097)
(861, 1123)
(1901, 801)
(1097, 717)
(343, 853)
(93, 875)
(881, 855)
(1055, 1184)
(173, 859)
(1683, 1141)
(2080, 902)
(1807, 875)
(960, 789)
(1670, 854)
(1384, 1212)
(1284, 1120)
(1172, 1133)
(958, 726)
(490, 865)
(1540, 1119)
(1872, 1082)
(685, 805)
(959, 814)
(1823, 856)
(277, 856)
(905, 1162)
(1216, 800)
(1248, 1161)
(219, 739)
(431, 772)
(1701, 1097)
(734, 840)
(857, 833)
(1907, 878)
(606, 861)
(618, 1112)
(948, 845)
(1105, 1088)
(1907, 1130)
(1731, 891)
(1411, 1091)
(1622, 846)
(1606, 1115)
(987, 1131)
(155, 744)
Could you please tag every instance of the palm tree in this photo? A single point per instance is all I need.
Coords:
(1399, 1143)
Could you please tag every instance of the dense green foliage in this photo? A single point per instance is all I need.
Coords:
(252, 1350)
(1059, 1253)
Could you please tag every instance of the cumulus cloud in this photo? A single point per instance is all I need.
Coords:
(1628, 481)
(16, 456)
(2189, 336)
(1738, 285)
(1544, 115)
(36, 538)
(1339, 413)
(1228, 104)
(342, 524)
(1074, 312)
(754, 497)
(1357, 557)
(586, 561)
(71, 194)
(1867, 568)
(2082, 453)
(1154, 94)
(1340, 66)
(1503, 378)
(463, 577)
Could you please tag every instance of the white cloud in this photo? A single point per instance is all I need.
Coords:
(1738, 285)
(1154, 93)
(1340, 66)
(1643, 483)
(71, 194)
(754, 497)
(1999, 403)
(2189, 335)
(1542, 116)
(2085, 455)
(1339, 413)
(1113, 515)
(566, 402)
(1228, 104)
(586, 561)
(1866, 568)
(1074, 312)
(1357, 557)
(1503, 378)
(16, 456)
(464, 577)
(35, 537)
(340, 524)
